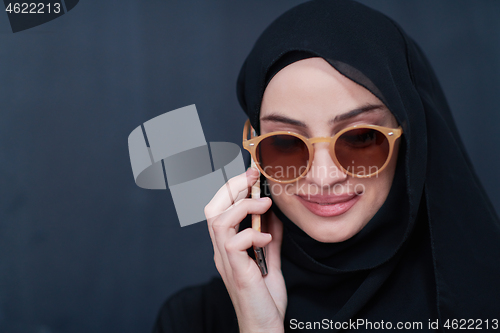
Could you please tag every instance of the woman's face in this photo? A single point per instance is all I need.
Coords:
(311, 98)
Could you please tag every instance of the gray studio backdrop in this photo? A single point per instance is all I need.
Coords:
(82, 248)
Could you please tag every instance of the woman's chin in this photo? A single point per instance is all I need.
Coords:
(330, 230)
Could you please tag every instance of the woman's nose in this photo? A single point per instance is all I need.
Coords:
(324, 172)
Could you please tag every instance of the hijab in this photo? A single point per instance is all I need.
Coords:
(432, 250)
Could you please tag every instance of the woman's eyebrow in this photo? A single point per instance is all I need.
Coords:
(279, 118)
(355, 112)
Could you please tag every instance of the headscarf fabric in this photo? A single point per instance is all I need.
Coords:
(432, 251)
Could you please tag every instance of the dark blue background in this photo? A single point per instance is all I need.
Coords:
(82, 248)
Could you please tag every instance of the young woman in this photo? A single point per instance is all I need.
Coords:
(374, 218)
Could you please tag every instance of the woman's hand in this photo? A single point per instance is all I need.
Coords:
(260, 302)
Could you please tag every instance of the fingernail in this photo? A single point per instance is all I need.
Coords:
(252, 171)
(268, 235)
(264, 199)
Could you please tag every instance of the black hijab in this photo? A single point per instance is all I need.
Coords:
(433, 249)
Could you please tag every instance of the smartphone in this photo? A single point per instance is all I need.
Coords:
(260, 257)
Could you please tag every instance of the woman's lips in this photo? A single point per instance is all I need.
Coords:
(328, 205)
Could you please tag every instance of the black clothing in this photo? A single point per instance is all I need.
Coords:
(432, 250)
(206, 308)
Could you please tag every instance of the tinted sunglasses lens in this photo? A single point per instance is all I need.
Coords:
(362, 151)
(283, 157)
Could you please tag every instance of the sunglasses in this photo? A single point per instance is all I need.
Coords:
(360, 151)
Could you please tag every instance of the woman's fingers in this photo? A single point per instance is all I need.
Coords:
(224, 227)
(242, 266)
(233, 216)
(234, 190)
(257, 300)
(223, 216)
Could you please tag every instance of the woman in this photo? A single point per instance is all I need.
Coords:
(411, 244)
